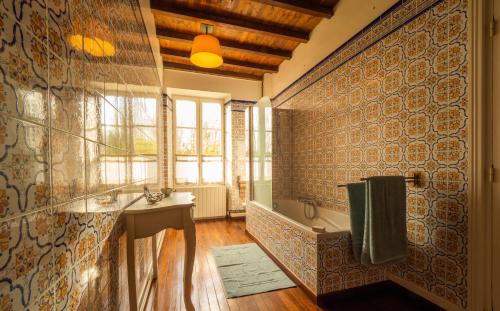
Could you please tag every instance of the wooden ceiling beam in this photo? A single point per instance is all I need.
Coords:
(305, 7)
(229, 20)
(168, 34)
(218, 72)
(227, 61)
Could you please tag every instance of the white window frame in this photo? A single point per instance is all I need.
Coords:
(199, 128)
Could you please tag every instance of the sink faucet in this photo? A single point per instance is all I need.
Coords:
(114, 195)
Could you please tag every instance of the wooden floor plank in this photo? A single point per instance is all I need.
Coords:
(208, 289)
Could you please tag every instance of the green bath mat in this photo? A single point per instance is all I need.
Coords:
(245, 270)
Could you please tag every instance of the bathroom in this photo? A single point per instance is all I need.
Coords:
(226, 155)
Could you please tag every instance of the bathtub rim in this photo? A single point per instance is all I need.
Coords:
(301, 226)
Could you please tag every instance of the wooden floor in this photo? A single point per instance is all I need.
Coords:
(208, 291)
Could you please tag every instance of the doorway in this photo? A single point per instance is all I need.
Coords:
(496, 164)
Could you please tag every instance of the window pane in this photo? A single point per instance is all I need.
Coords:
(211, 114)
(144, 111)
(255, 117)
(112, 170)
(112, 125)
(186, 170)
(211, 142)
(228, 143)
(123, 170)
(268, 168)
(185, 113)
(145, 140)
(269, 142)
(256, 142)
(212, 170)
(268, 118)
(144, 168)
(120, 104)
(186, 141)
(256, 170)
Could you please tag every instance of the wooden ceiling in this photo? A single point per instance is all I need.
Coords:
(256, 36)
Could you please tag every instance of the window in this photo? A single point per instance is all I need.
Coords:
(262, 142)
(144, 139)
(198, 140)
(130, 128)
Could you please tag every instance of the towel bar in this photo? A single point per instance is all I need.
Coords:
(415, 179)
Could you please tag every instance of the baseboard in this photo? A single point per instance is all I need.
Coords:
(237, 215)
(289, 273)
(361, 291)
(441, 302)
(201, 219)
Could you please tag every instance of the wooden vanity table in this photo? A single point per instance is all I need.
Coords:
(145, 220)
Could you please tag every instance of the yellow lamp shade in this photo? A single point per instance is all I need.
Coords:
(206, 52)
(96, 45)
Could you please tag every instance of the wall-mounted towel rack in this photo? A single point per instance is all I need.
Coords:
(415, 179)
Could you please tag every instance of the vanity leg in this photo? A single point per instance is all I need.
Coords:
(154, 247)
(132, 293)
(190, 239)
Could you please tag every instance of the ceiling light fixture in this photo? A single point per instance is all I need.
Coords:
(206, 51)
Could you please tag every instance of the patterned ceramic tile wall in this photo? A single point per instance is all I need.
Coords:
(64, 142)
(322, 262)
(282, 153)
(238, 197)
(391, 101)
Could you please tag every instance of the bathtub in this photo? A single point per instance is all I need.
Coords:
(321, 262)
(331, 220)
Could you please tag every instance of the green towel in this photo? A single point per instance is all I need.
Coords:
(378, 220)
(356, 194)
(385, 238)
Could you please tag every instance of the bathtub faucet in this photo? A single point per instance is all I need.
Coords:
(307, 200)
(309, 207)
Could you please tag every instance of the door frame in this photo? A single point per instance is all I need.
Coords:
(480, 104)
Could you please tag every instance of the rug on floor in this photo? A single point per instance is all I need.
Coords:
(246, 270)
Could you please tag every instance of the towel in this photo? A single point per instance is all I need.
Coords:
(378, 220)
(356, 195)
(384, 238)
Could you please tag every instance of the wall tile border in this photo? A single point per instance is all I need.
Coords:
(396, 16)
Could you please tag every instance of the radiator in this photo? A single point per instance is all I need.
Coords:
(210, 201)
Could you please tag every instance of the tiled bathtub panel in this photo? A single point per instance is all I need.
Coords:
(398, 107)
(324, 264)
(336, 263)
(291, 245)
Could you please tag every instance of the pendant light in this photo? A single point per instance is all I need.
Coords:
(206, 51)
